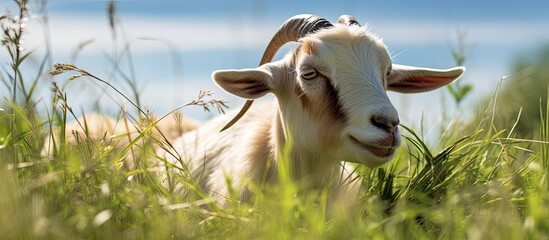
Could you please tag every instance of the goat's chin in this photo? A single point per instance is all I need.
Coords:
(371, 160)
(371, 155)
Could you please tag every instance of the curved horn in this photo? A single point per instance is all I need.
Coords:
(348, 20)
(293, 29)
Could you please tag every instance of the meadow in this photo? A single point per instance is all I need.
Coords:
(485, 178)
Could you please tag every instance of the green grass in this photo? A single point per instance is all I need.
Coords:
(479, 182)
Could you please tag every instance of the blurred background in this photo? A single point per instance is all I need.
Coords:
(169, 48)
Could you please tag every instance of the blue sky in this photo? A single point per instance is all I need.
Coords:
(194, 38)
(470, 10)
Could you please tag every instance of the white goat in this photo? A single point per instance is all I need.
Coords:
(330, 101)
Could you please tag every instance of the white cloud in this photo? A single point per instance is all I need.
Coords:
(185, 34)
(490, 32)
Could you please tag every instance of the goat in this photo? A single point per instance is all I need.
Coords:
(330, 106)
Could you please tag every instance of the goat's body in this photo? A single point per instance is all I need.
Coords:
(212, 157)
(248, 151)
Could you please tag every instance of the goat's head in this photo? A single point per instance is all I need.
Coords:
(331, 89)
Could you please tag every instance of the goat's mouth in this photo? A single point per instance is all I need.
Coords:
(376, 150)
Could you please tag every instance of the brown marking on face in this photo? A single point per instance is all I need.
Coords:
(308, 47)
(329, 113)
(302, 97)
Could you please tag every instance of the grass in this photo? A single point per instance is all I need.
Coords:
(479, 182)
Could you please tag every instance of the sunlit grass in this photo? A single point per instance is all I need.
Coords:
(480, 181)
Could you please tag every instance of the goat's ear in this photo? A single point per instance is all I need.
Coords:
(408, 79)
(245, 83)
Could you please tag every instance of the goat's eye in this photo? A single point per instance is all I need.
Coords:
(309, 73)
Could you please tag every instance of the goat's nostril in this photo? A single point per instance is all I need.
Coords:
(384, 123)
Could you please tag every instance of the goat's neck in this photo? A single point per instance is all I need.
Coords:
(304, 164)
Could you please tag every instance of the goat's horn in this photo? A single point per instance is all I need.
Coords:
(293, 29)
(348, 20)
